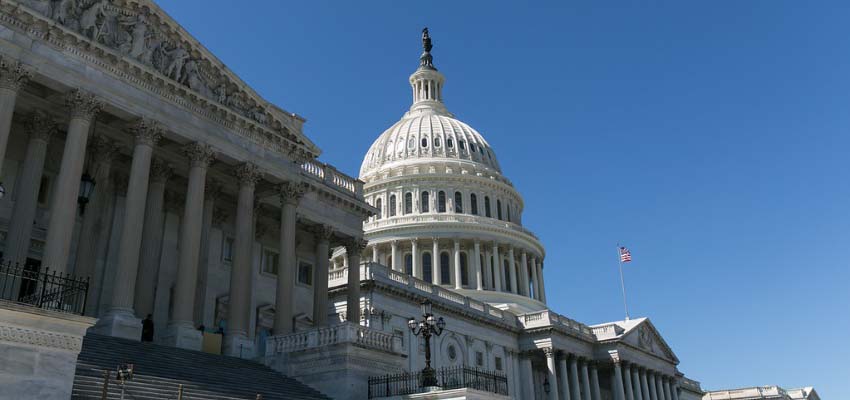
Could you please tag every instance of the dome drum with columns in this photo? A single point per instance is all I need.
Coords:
(446, 214)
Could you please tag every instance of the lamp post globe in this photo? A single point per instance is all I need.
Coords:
(429, 325)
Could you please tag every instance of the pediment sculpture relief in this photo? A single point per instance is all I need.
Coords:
(139, 34)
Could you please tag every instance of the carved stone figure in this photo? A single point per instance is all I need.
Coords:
(139, 36)
(221, 94)
(194, 79)
(176, 59)
(89, 20)
(63, 10)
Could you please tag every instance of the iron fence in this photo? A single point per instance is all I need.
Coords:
(27, 284)
(447, 378)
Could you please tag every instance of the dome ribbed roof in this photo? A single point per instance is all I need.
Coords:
(428, 136)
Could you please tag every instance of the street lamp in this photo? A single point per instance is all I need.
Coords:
(429, 325)
(547, 386)
(86, 189)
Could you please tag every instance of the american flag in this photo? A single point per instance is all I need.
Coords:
(625, 255)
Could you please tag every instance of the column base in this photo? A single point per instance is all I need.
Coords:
(183, 335)
(238, 345)
(120, 323)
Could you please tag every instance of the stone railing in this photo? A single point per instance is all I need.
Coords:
(763, 392)
(548, 318)
(446, 217)
(690, 384)
(330, 176)
(345, 332)
(607, 330)
(374, 271)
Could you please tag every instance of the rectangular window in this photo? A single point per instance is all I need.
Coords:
(479, 359)
(227, 250)
(270, 261)
(305, 273)
(498, 363)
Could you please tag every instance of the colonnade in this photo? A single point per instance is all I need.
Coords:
(143, 214)
(573, 377)
(516, 271)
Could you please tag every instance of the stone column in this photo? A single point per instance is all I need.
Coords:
(585, 381)
(320, 284)
(552, 374)
(527, 378)
(575, 386)
(539, 266)
(674, 390)
(161, 172)
(563, 378)
(534, 281)
(523, 273)
(497, 268)
(666, 383)
(627, 381)
(396, 265)
(617, 382)
(435, 263)
(653, 392)
(63, 208)
(239, 310)
(659, 387)
(120, 320)
(40, 127)
(290, 195)
(417, 259)
(13, 76)
(352, 307)
(594, 382)
(211, 194)
(458, 271)
(476, 262)
(512, 270)
(375, 256)
(181, 332)
(636, 385)
(644, 386)
(488, 271)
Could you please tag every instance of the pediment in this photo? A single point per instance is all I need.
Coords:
(644, 336)
(143, 34)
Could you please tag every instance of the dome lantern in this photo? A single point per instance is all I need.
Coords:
(427, 82)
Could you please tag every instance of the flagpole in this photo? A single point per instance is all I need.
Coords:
(622, 281)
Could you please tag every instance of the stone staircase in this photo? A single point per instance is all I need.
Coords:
(160, 370)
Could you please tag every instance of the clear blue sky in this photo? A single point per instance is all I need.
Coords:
(710, 137)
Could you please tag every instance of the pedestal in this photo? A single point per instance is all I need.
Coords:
(183, 336)
(238, 346)
(119, 323)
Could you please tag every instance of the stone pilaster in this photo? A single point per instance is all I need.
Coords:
(551, 371)
(143, 303)
(436, 268)
(534, 279)
(394, 258)
(290, 194)
(527, 378)
(63, 209)
(512, 270)
(417, 258)
(476, 262)
(40, 128)
(497, 269)
(523, 273)
(13, 76)
(320, 284)
(458, 270)
(181, 332)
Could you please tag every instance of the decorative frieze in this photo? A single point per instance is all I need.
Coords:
(13, 334)
(13, 74)
(82, 104)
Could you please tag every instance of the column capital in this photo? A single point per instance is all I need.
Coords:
(414, 241)
(199, 154)
(323, 233)
(248, 174)
(13, 74)
(146, 131)
(41, 126)
(161, 171)
(549, 352)
(82, 104)
(292, 192)
(102, 149)
(355, 246)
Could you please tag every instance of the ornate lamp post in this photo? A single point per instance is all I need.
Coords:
(429, 325)
(86, 189)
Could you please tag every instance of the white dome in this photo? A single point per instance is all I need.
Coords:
(428, 135)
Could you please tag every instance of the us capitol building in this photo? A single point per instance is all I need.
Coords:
(167, 232)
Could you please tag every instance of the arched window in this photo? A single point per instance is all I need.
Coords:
(441, 202)
(436, 142)
(408, 203)
(378, 204)
(461, 144)
(458, 202)
(499, 209)
(464, 270)
(424, 142)
(445, 272)
(508, 209)
(450, 143)
(487, 207)
(507, 269)
(423, 203)
(473, 203)
(408, 264)
(427, 271)
(392, 210)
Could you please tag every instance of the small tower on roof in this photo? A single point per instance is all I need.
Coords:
(427, 82)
